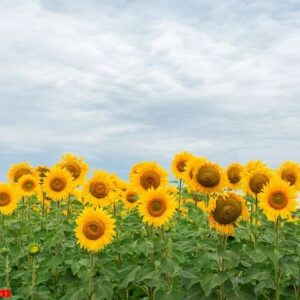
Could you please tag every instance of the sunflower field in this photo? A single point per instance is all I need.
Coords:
(211, 233)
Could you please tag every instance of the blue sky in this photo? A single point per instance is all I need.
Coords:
(124, 81)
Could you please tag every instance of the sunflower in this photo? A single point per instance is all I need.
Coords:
(99, 190)
(76, 166)
(157, 207)
(149, 175)
(254, 181)
(290, 171)
(18, 170)
(179, 163)
(28, 185)
(234, 175)
(58, 183)
(224, 210)
(278, 199)
(172, 190)
(191, 164)
(135, 167)
(252, 165)
(8, 199)
(130, 198)
(208, 178)
(95, 229)
(120, 185)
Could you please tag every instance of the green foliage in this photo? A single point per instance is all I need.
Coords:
(140, 265)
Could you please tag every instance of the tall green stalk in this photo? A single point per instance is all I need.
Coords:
(222, 267)
(277, 271)
(33, 277)
(91, 276)
(7, 271)
(255, 220)
(2, 229)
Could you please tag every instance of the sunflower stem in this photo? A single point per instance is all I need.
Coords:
(277, 271)
(68, 208)
(33, 277)
(2, 229)
(91, 276)
(7, 271)
(43, 210)
(255, 220)
(251, 212)
(222, 267)
(29, 216)
(168, 275)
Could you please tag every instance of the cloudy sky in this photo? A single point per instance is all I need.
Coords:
(123, 81)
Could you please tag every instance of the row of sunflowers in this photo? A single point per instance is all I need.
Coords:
(95, 211)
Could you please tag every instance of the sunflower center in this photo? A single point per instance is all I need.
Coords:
(21, 172)
(74, 169)
(157, 207)
(4, 199)
(227, 210)
(208, 176)
(94, 229)
(57, 184)
(278, 200)
(181, 166)
(28, 186)
(257, 181)
(99, 189)
(289, 175)
(131, 198)
(234, 175)
(149, 180)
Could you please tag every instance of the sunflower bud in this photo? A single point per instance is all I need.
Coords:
(34, 249)
(4, 251)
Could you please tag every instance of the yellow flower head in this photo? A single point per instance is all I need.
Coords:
(34, 249)
(290, 171)
(134, 168)
(16, 171)
(58, 184)
(8, 199)
(149, 175)
(191, 164)
(252, 165)
(278, 199)
(76, 166)
(120, 186)
(99, 190)
(157, 207)
(254, 181)
(95, 229)
(28, 185)
(224, 210)
(179, 163)
(234, 175)
(130, 198)
(208, 178)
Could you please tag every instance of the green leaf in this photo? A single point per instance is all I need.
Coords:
(257, 255)
(130, 277)
(210, 281)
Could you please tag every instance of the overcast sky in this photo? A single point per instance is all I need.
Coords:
(123, 81)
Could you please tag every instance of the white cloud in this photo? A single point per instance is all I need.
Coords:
(124, 81)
